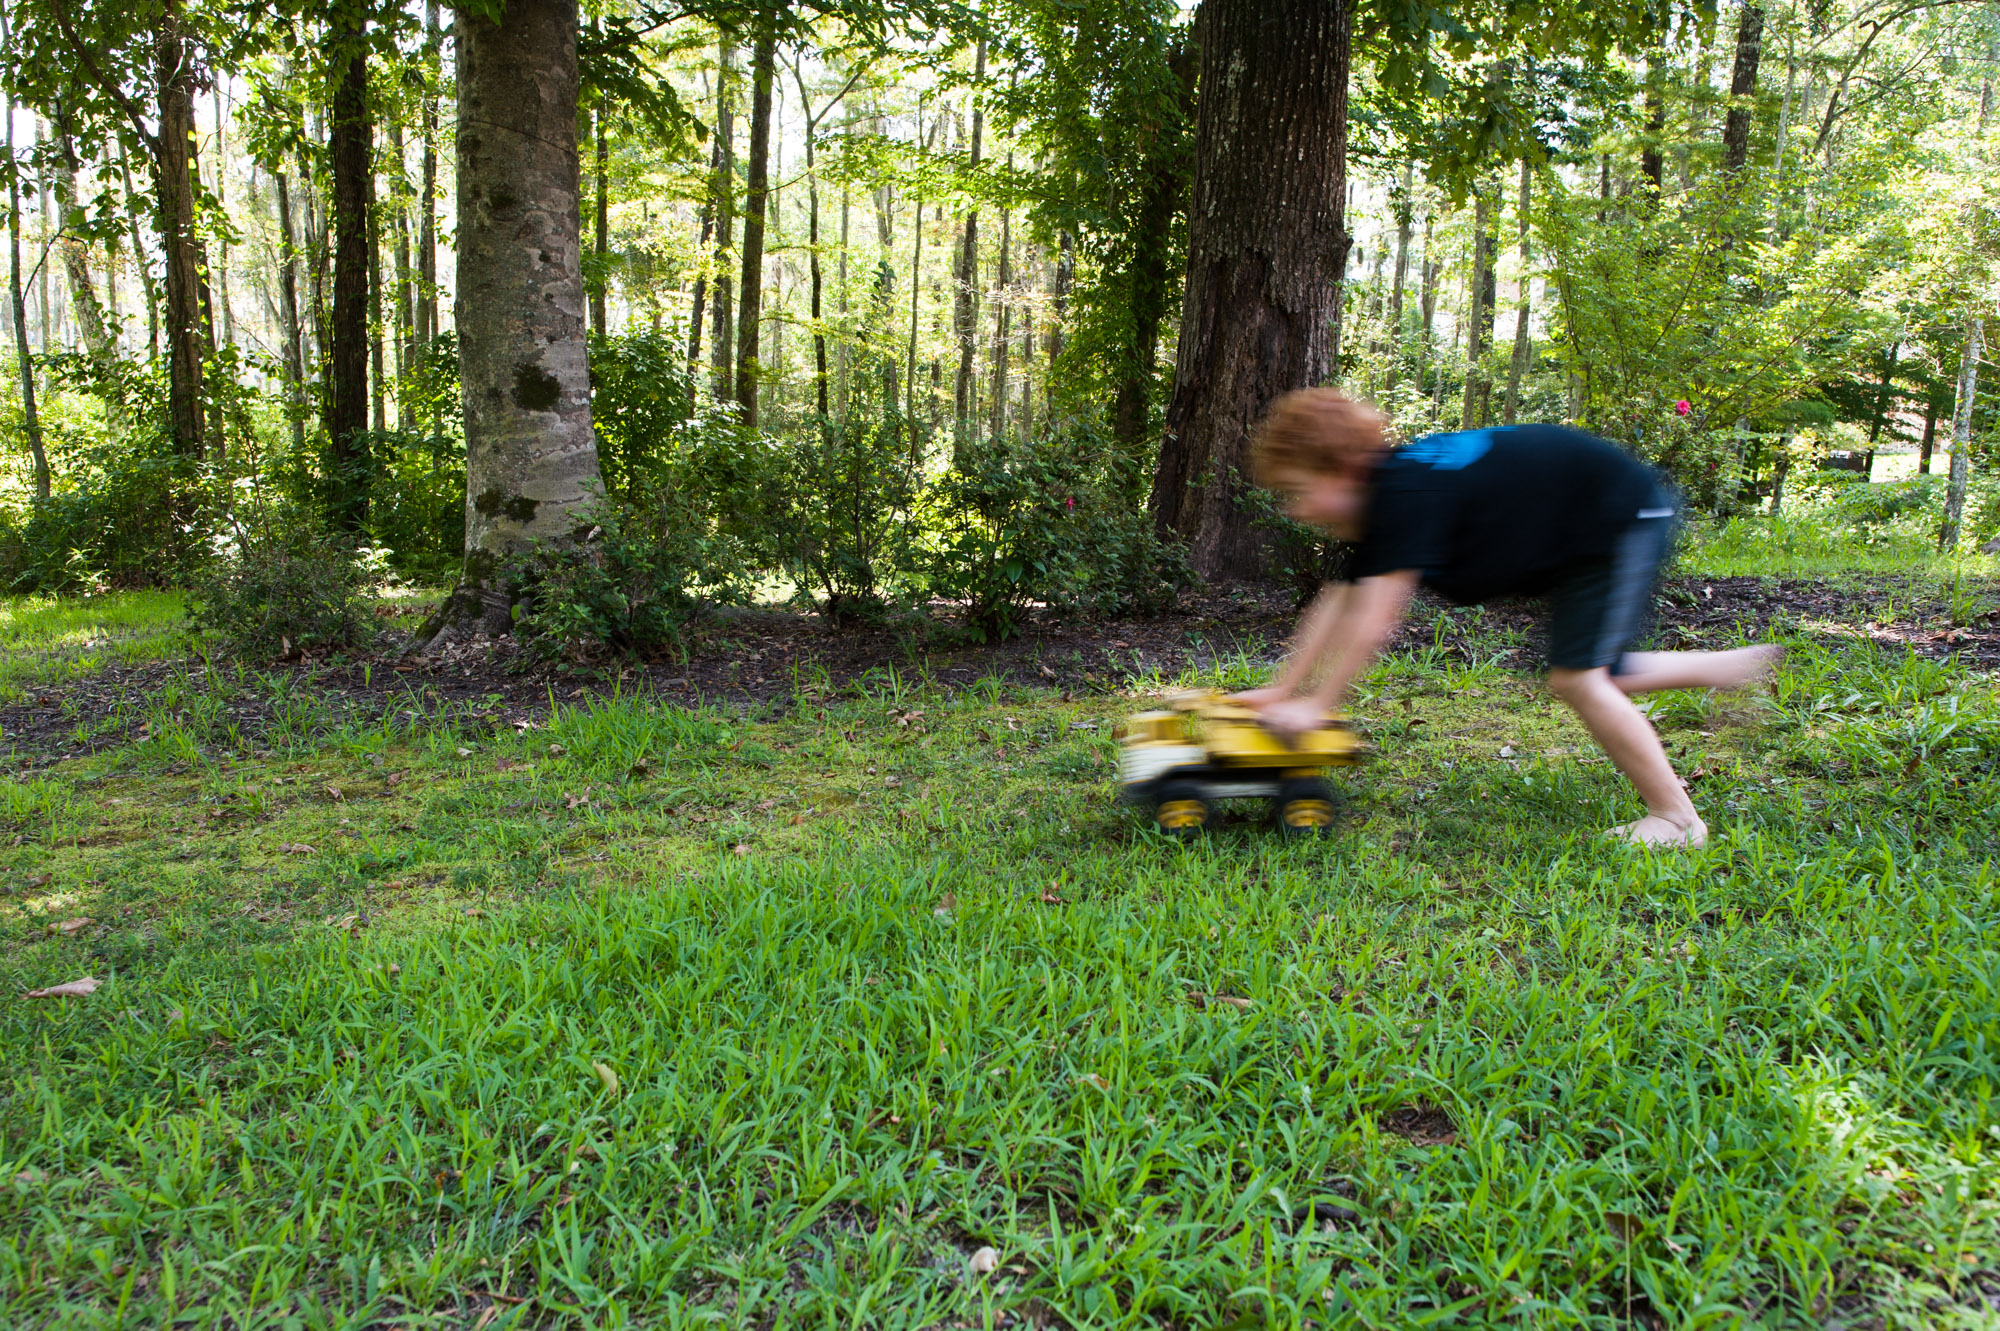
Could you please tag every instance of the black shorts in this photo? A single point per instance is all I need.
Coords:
(1600, 606)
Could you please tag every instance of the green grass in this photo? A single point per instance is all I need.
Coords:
(44, 640)
(646, 1017)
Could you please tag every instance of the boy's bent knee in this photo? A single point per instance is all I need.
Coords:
(1570, 685)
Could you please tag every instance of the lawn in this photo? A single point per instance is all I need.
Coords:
(650, 1016)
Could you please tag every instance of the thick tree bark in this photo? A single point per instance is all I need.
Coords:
(288, 312)
(601, 243)
(965, 295)
(187, 328)
(352, 133)
(1743, 88)
(756, 198)
(722, 335)
(1517, 366)
(1651, 161)
(701, 278)
(530, 457)
(1150, 277)
(1265, 253)
(1961, 430)
(31, 418)
(1929, 445)
(1479, 311)
(221, 289)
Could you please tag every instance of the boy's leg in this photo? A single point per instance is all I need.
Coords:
(1649, 672)
(1627, 737)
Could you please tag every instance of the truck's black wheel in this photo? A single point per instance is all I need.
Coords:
(1305, 807)
(1181, 809)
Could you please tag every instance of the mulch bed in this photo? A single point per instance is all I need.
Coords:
(759, 659)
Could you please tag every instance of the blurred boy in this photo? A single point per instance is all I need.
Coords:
(1523, 510)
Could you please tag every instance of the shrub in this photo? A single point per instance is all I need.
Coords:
(416, 502)
(283, 585)
(1025, 521)
(1303, 557)
(836, 511)
(628, 584)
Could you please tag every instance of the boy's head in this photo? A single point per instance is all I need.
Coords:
(1316, 449)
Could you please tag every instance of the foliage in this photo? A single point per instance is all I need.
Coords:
(839, 509)
(1304, 558)
(282, 586)
(1023, 522)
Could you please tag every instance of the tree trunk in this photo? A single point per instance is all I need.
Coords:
(288, 313)
(427, 274)
(1265, 253)
(98, 341)
(31, 419)
(708, 211)
(530, 457)
(1427, 300)
(1478, 310)
(1518, 365)
(1882, 392)
(352, 133)
(1651, 163)
(1150, 278)
(722, 335)
(1961, 430)
(1930, 437)
(756, 197)
(997, 409)
(1743, 89)
(602, 246)
(812, 259)
(405, 298)
(1405, 227)
(965, 296)
(222, 206)
(187, 329)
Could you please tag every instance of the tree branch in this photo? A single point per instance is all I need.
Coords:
(108, 86)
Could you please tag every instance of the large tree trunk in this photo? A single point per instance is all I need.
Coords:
(1265, 253)
(530, 457)
(965, 295)
(756, 196)
(427, 301)
(352, 135)
(1961, 430)
(1479, 314)
(405, 313)
(187, 329)
(1743, 89)
(722, 333)
(1517, 366)
(601, 242)
(1651, 161)
(288, 312)
(98, 341)
(1150, 281)
(31, 420)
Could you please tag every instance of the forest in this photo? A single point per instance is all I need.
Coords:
(575, 577)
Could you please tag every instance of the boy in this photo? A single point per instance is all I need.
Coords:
(1523, 510)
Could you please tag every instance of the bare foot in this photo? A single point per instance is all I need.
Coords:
(1653, 830)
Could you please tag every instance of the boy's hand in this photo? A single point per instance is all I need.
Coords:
(1292, 717)
(1258, 699)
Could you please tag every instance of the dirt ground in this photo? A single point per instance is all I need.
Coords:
(761, 660)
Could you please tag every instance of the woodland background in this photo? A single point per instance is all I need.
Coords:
(958, 307)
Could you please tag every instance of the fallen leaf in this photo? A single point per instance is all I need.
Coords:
(475, 912)
(89, 984)
(1241, 1004)
(68, 927)
(765, 806)
(1049, 897)
(984, 1261)
(295, 848)
(487, 1318)
(557, 750)
(1092, 1079)
(1046, 672)
(576, 801)
(347, 923)
(31, 1178)
(946, 904)
(1506, 750)
(464, 752)
(607, 1076)
(1626, 1227)
(333, 793)
(740, 848)
(39, 880)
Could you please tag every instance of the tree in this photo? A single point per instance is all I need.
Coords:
(352, 131)
(1266, 250)
(750, 293)
(531, 458)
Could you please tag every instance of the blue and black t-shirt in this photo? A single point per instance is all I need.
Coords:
(1504, 512)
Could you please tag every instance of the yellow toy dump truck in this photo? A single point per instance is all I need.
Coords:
(1206, 748)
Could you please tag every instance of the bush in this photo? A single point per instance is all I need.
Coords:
(416, 502)
(835, 511)
(1304, 557)
(1025, 521)
(630, 585)
(284, 586)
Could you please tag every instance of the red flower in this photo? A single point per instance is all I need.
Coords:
(1681, 407)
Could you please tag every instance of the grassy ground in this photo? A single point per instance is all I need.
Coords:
(650, 1017)
(48, 641)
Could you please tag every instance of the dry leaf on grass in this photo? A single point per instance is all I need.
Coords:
(465, 753)
(476, 912)
(349, 923)
(946, 904)
(739, 849)
(333, 793)
(68, 927)
(606, 1075)
(89, 984)
(295, 848)
(38, 880)
(984, 1261)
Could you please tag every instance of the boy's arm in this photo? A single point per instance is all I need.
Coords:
(1310, 641)
(1356, 629)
